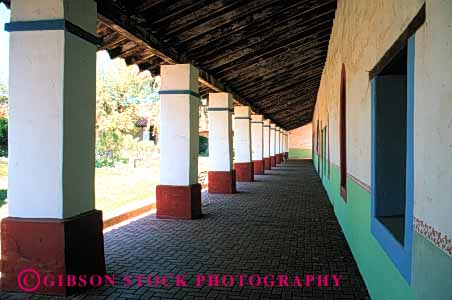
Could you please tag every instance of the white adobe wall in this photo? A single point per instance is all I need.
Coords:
(433, 118)
(361, 35)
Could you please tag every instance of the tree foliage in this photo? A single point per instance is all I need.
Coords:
(3, 94)
(120, 90)
(3, 119)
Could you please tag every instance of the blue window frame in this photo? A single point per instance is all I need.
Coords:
(396, 243)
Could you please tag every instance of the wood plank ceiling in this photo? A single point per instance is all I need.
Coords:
(268, 53)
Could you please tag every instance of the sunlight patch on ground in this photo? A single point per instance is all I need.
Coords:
(117, 187)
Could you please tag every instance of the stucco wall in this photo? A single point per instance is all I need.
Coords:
(363, 31)
(433, 118)
(301, 137)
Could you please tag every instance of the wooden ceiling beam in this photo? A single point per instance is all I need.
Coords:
(304, 64)
(255, 35)
(275, 89)
(247, 55)
(167, 53)
(258, 19)
(211, 16)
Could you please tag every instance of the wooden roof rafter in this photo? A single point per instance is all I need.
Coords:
(268, 54)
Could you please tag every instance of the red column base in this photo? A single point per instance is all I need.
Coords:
(278, 159)
(267, 163)
(273, 161)
(221, 182)
(258, 166)
(244, 171)
(178, 202)
(72, 246)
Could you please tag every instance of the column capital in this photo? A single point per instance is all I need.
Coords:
(180, 77)
(220, 102)
(257, 119)
(242, 112)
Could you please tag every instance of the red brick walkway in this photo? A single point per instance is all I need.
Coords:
(281, 224)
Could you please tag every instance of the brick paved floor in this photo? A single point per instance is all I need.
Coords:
(280, 224)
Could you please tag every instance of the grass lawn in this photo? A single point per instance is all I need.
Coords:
(115, 187)
(300, 153)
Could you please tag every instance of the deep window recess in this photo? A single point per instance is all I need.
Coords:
(392, 156)
(343, 135)
(390, 143)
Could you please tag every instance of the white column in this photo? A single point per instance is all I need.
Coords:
(272, 144)
(179, 193)
(220, 132)
(267, 164)
(242, 134)
(281, 143)
(286, 140)
(242, 144)
(53, 94)
(284, 144)
(257, 149)
(278, 145)
(221, 177)
(179, 110)
(257, 137)
(52, 120)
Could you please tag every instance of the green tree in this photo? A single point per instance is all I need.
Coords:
(3, 136)
(120, 89)
(3, 93)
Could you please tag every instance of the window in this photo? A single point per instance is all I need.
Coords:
(390, 125)
(392, 111)
(392, 156)
(342, 135)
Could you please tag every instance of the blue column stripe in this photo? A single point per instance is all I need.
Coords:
(179, 92)
(220, 109)
(56, 24)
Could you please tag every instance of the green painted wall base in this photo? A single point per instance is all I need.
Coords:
(432, 270)
(431, 267)
(382, 278)
(300, 153)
